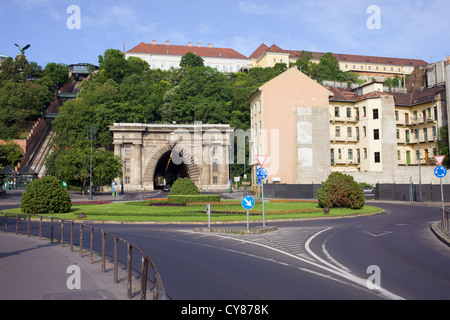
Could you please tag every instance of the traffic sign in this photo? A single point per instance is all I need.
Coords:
(248, 202)
(261, 159)
(440, 172)
(261, 173)
(439, 160)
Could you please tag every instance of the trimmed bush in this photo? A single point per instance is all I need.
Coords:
(45, 195)
(184, 186)
(180, 199)
(340, 191)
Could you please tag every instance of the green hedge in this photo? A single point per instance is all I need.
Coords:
(193, 198)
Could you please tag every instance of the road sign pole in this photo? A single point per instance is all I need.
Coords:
(262, 199)
(442, 199)
(247, 221)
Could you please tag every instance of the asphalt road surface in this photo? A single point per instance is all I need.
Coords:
(388, 256)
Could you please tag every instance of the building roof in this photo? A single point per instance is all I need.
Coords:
(401, 99)
(178, 50)
(295, 54)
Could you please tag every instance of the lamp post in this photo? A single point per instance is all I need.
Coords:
(420, 172)
(90, 135)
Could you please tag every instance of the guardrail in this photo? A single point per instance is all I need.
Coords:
(445, 219)
(157, 291)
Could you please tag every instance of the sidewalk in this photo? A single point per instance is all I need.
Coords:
(33, 269)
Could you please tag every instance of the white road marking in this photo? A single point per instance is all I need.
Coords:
(327, 266)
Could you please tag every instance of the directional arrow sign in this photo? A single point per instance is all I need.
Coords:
(248, 202)
(440, 172)
(439, 159)
(261, 173)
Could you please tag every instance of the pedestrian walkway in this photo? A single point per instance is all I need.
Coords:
(33, 269)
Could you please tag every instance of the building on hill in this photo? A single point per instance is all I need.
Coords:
(367, 67)
(166, 56)
(309, 130)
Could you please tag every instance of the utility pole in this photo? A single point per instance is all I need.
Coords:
(90, 135)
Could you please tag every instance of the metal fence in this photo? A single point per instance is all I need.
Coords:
(66, 229)
(380, 191)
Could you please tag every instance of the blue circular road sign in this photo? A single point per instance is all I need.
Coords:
(248, 202)
(261, 173)
(440, 171)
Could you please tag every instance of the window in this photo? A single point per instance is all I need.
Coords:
(214, 166)
(375, 113)
(349, 132)
(259, 126)
(332, 156)
(396, 116)
(127, 150)
(376, 134)
(364, 131)
(349, 112)
(336, 111)
(398, 134)
(364, 111)
(127, 165)
(425, 134)
(377, 157)
(338, 131)
(399, 155)
(434, 132)
(127, 180)
(215, 180)
(365, 153)
(350, 154)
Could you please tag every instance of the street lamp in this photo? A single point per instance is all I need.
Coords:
(90, 135)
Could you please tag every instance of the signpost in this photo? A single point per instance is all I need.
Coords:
(262, 173)
(247, 203)
(440, 172)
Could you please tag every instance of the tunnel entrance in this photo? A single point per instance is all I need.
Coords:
(166, 172)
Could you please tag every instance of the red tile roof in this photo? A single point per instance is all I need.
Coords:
(177, 50)
(295, 54)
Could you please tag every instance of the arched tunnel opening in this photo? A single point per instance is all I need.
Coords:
(166, 172)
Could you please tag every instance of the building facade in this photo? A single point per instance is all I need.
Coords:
(368, 132)
(166, 56)
(367, 67)
(155, 155)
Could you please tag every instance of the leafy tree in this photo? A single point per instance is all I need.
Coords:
(10, 154)
(73, 165)
(184, 186)
(58, 73)
(442, 144)
(191, 60)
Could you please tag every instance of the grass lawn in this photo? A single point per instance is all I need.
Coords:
(159, 211)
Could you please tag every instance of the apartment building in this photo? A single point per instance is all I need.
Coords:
(367, 67)
(309, 130)
(166, 56)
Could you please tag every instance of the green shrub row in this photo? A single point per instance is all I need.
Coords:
(193, 198)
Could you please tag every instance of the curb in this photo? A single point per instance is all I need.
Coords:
(436, 228)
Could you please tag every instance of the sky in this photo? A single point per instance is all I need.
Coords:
(71, 31)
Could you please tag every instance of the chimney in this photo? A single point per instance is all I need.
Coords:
(153, 41)
(199, 44)
(209, 45)
(167, 43)
(190, 44)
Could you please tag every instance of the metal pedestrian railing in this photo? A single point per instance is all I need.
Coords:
(157, 290)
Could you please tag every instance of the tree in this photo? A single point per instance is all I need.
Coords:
(10, 154)
(191, 60)
(73, 165)
(443, 145)
(58, 73)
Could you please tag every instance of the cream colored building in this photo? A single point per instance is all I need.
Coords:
(367, 67)
(309, 130)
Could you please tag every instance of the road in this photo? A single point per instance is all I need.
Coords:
(317, 259)
(321, 259)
